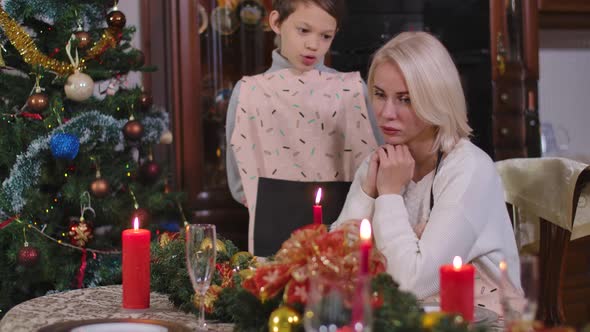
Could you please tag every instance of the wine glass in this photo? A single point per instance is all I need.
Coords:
(520, 306)
(335, 304)
(200, 262)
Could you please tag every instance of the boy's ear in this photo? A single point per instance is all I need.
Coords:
(273, 22)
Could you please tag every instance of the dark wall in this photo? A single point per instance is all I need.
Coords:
(462, 25)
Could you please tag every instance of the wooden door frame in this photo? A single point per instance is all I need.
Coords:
(179, 87)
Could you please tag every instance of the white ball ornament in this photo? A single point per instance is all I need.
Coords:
(166, 137)
(79, 86)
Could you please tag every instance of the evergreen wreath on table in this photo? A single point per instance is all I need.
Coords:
(235, 295)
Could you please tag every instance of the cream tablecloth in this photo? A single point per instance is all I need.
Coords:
(544, 187)
(92, 303)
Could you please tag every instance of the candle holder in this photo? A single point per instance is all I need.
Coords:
(337, 304)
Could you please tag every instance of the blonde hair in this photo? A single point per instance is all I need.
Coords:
(433, 84)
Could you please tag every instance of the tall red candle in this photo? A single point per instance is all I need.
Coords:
(317, 208)
(136, 267)
(366, 246)
(456, 288)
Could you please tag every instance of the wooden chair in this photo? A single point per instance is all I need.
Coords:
(527, 180)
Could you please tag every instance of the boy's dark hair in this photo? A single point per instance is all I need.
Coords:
(336, 8)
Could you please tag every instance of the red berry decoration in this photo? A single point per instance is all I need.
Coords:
(28, 256)
(116, 19)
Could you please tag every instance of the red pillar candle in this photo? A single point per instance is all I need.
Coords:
(136, 267)
(456, 288)
(317, 208)
(366, 246)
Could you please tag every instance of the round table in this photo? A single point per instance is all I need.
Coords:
(93, 303)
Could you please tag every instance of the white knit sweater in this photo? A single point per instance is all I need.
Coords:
(468, 219)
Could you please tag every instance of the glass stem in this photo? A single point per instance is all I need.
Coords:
(202, 310)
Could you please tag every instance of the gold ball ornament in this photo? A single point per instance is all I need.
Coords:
(79, 86)
(284, 319)
(240, 259)
(430, 319)
(219, 245)
(246, 273)
(38, 102)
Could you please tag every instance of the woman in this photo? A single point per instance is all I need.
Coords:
(429, 192)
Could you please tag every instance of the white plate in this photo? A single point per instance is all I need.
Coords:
(120, 327)
(115, 325)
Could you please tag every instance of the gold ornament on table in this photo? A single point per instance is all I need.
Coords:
(284, 319)
(25, 45)
(219, 245)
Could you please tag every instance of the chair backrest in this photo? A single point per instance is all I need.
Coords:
(528, 183)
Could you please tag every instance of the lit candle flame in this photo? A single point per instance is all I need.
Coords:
(136, 223)
(318, 196)
(365, 230)
(457, 262)
(503, 266)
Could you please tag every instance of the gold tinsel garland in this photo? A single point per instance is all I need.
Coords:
(31, 55)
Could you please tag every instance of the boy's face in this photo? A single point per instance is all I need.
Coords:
(306, 35)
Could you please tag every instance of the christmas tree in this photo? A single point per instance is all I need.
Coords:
(76, 146)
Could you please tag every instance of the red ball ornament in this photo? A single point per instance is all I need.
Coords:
(145, 101)
(100, 188)
(150, 171)
(116, 19)
(143, 215)
(38, 102)
(28, 256)
(133, 130)
(80, 232)
(83, 38)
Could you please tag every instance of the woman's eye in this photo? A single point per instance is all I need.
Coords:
(327, 37)
(302, 30)
(379, 94)
(405, 100)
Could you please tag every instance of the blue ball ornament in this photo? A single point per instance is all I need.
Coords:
(64, 146)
